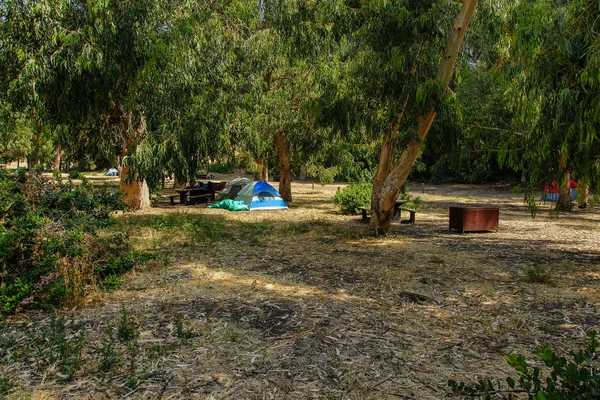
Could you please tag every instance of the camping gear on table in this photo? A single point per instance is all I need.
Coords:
(231, 205)
(232, 188)
(260, 195)
(112, 172)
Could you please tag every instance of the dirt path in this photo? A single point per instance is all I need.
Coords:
(305, 303)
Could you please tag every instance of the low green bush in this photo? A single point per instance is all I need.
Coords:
(75, 174)
(353, 197)
(562, 379)
(221, 168)
(50, 247)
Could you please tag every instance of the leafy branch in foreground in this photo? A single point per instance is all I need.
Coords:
(578, 378)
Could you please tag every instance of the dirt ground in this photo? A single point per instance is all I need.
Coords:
(306, 303)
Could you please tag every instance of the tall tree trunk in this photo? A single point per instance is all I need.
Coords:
(285, 169)
(564, 199)
(260, 168)
(135, 194)
(265, 168)
(583, 195)
(390, 174)
(57, 157)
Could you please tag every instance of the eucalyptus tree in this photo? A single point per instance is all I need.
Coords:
(190, 88)
(555, 61)
(402, 73)
(77, 62)
(283, 57)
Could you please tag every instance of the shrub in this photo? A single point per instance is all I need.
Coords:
(49, 243)
(221, 168)
(353, 197)
(325, 176)
(575, 379)
(75, 174)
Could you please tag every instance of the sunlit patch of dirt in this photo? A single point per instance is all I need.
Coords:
(306, 303)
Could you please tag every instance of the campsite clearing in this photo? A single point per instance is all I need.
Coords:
(306, 303)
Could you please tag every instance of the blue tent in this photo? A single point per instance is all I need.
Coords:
(261, 196)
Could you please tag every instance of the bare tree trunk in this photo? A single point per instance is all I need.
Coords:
(285, 170)
(135, 194)
(178, 184)
(564, 199)
(583, 195)
(390, 175)
(265, 169)
(57, 157)
(260, 168)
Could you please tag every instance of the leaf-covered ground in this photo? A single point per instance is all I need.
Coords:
(306, 303)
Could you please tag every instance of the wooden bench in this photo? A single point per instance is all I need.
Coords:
(397, 212)
(364, 211)
(412, 212)
(172, 198)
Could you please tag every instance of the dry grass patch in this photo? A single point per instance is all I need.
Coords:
(306, 303)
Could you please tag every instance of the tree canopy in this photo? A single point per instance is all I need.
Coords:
(342, 86)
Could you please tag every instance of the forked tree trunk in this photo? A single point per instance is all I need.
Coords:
(178, 184)
(393, 171)
(285, 169)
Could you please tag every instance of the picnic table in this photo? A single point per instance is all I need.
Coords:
(204, 192)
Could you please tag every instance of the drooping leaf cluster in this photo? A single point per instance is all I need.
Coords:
(555, 62)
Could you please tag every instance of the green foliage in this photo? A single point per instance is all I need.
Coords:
(106, 352)
(180, 330)
(325, 176)
(221, 168)
(539, 274)
(49, 241)
(578, 378)
(74, 173)
(354, 196)
(127, 329)
(58, 344)
(5, 386)
(111, 283)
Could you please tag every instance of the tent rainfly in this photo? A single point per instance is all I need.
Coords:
(261, 196)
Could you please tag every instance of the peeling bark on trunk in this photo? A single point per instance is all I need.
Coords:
(392, 172)
(136, 194)
(285, 170)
